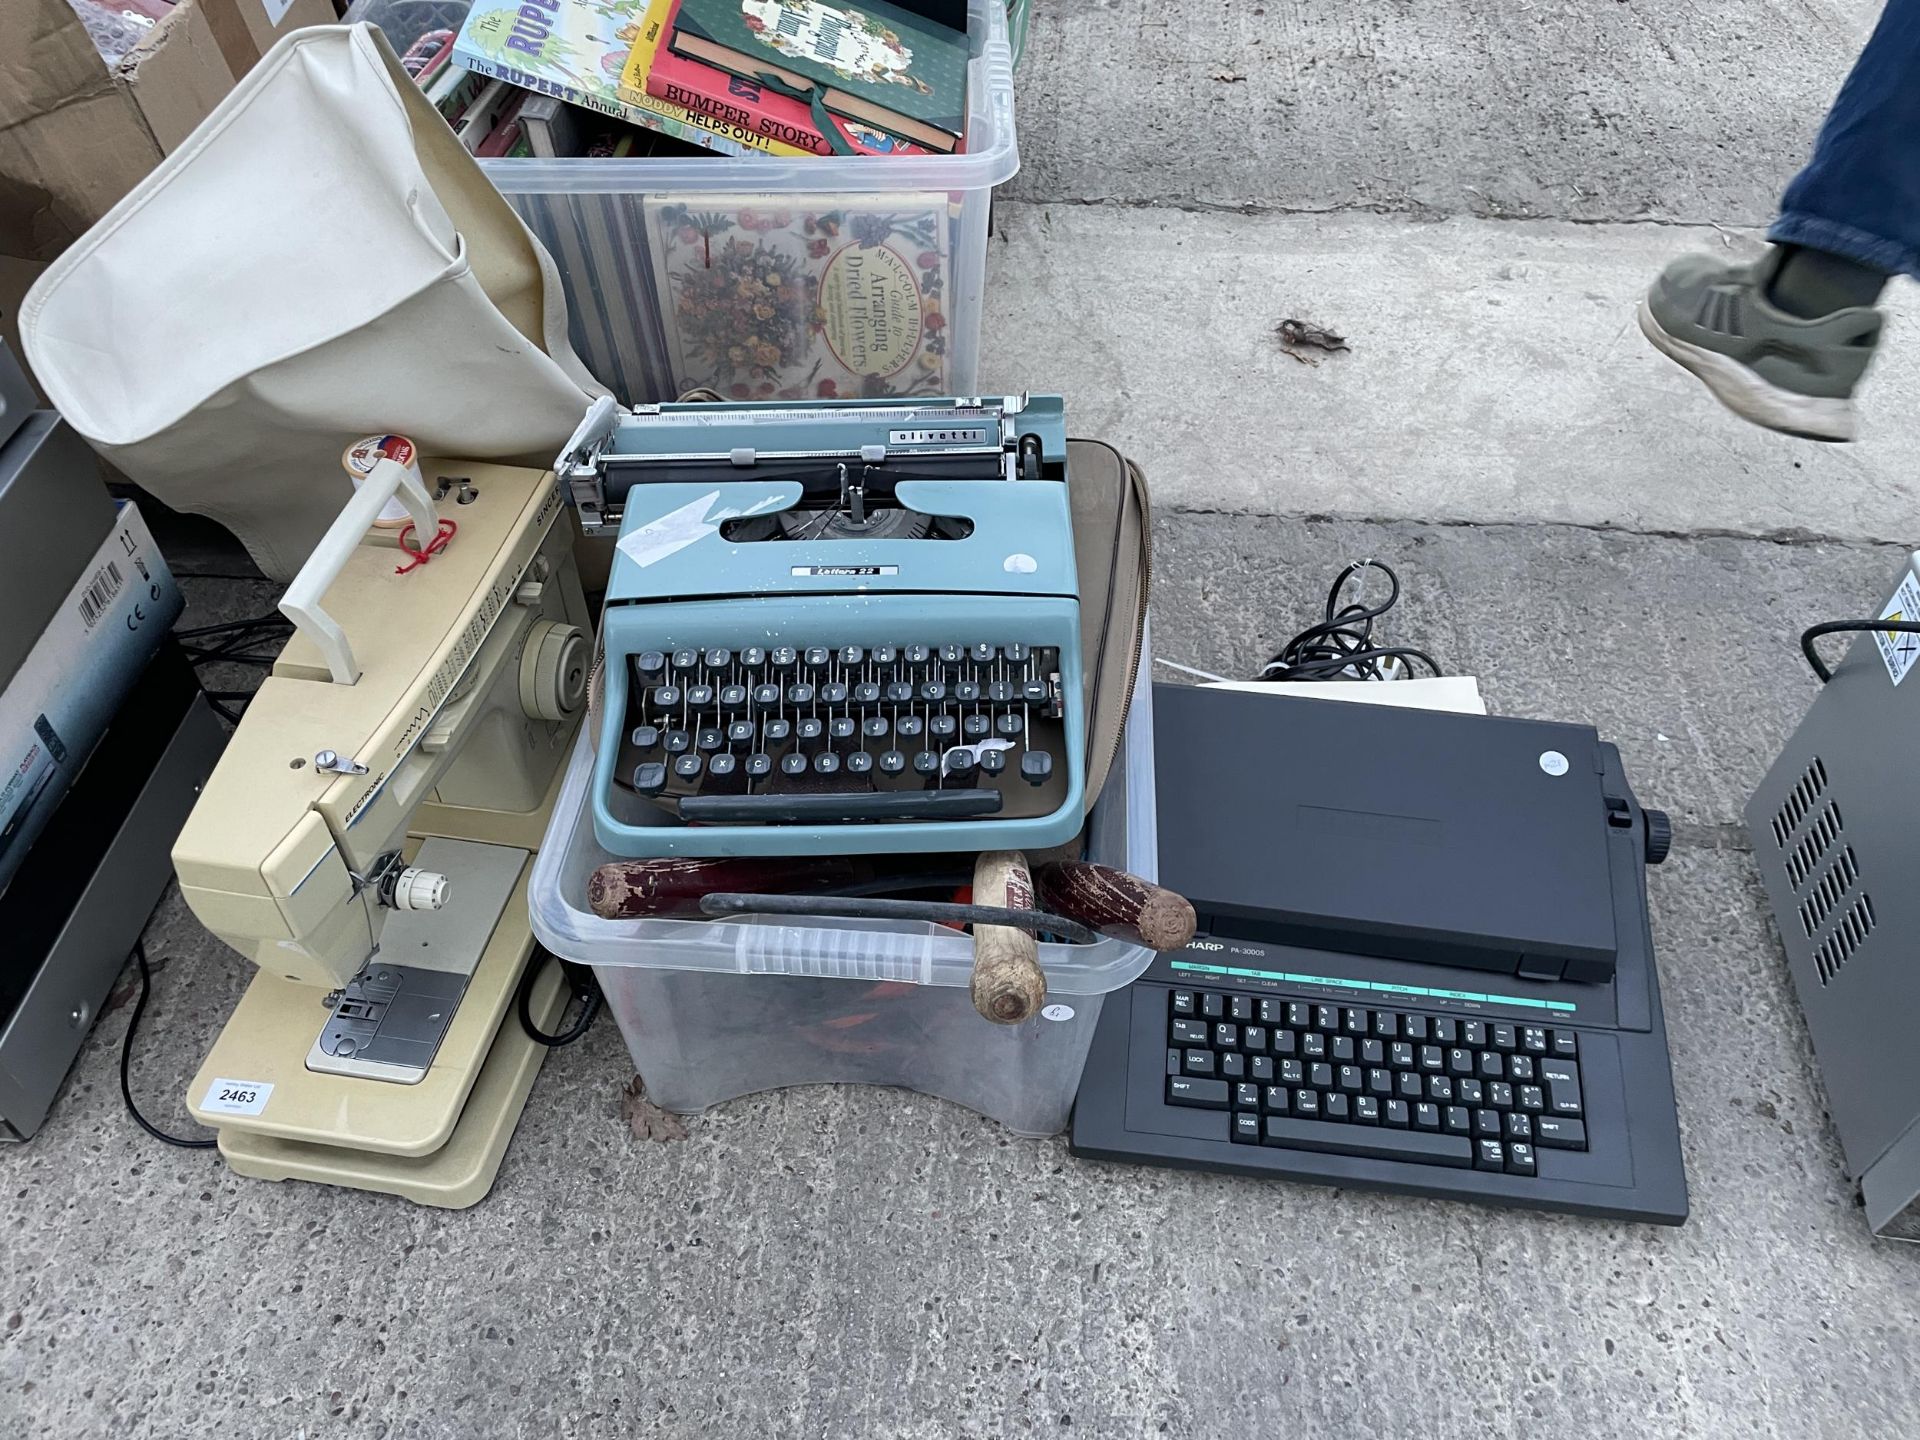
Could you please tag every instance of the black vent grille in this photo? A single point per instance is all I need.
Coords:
(1799, 802)
(1836, 912)
(1822, 829)
(1850, 932)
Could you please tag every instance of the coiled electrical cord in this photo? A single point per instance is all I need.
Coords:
(1341, 646)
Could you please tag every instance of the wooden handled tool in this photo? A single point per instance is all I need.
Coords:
(1116, 903)
(628, 889)
(1110, 901)
(1008, 985)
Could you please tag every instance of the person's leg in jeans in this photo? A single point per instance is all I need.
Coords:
(1784, 341)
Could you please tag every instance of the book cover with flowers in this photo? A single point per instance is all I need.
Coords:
(763, 300)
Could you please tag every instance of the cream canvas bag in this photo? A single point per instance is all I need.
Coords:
(320, 261)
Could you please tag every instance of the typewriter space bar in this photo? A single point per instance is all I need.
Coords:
(834, 807)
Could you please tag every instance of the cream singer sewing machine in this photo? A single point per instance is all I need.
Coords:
(366, 838)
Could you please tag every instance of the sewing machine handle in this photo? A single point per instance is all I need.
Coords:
(301, 604)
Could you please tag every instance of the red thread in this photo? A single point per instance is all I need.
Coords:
(445, 533)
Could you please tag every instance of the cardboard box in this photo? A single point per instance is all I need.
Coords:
(246, 29)
(75, 136)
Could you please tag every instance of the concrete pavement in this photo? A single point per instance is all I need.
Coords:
(1576, 523)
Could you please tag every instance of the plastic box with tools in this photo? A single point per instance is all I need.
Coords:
(644, 244)
(716, 1009)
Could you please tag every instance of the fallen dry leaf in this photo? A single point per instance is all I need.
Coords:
(1296, 335)
(646, 1119)
(1228, 77)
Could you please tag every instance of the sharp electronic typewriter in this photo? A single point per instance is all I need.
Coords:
(1423, 962)
(848, 626)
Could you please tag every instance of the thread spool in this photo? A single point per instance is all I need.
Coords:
(360, 458)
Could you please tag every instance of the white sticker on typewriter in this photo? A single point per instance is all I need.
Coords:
(1057, 1012)
(237, 1097)
(1020, 564)
(671, 533)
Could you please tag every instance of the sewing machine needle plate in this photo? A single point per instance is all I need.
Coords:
(389, 1020)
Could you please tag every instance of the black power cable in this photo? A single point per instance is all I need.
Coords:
(1841, 627)
(585, 990)
(1341, 646)
(126, 1057)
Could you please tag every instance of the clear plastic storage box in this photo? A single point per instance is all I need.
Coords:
(611, 225)
(716, 1009)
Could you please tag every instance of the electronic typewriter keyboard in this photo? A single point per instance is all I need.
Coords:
(851, 628)
(1386, 1084)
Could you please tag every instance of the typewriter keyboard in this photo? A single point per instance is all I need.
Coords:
(823, 733)
(1391, 1084)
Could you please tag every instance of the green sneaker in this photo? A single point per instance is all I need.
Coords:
(1763, 364)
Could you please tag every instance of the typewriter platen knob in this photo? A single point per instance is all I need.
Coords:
(1659, 834)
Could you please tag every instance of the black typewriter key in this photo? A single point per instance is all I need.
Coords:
(1009, 723)
(1036, 692)
(1520, 1159)
(766, 696)
(1533, 1098)
(753, 657)
(859, 763)
(909, 727)
(676, 742)
(1473, 1034)
(1320, 1076)
(817, 655)
(800, 694)
(1533, 1040)
(1001, 691)
(1036, 767)
(1502, 1036)
(1471, 1092)
(1015, 654)
(650, 778)
(1486, 1124)
(960, 764)
(925, 762)
(892, 762)
(1386, 1024)
(645, 737)
(783, 657)
(852, 655)
(733, 696)
(953, 654)
(711, 738)
(1520, 1069)
(666, 697)
(775, 732)
(841, 727)
(721, 766)
(1366, 1110)
(688, 767)
(1566, 1045)
(1233, 1066)
(740, 732)
(932, 691)
(685, 659)
(967, 690)
(1445, 1030)
(867, 692)
(1414, 1027)
(1459, 1061)
(1518, 1126)
(1491, 1066)
(1306, 1104)
(942, 727)
(885, 654)
(699, 696)
(1426, 1117)
(993, 762)
(917, 654)
(719, 658)
(826, 763)
(976, 726)
(808, 730)
(793, 763)
(1395, 1113)
(1373, 1052)
(833, 693)
(758, 765)
(899, 692)
(649, 663)
(1341, 1048)
(1336, 1107)
(1440, 1087)
(982, 654)
(1459, 1120)
(1489, 1155)
(1408, 1086)
(875, 727)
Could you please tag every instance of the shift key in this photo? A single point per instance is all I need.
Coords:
(1200, 1094)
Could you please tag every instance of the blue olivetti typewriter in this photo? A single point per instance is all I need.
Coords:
(841, 627)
